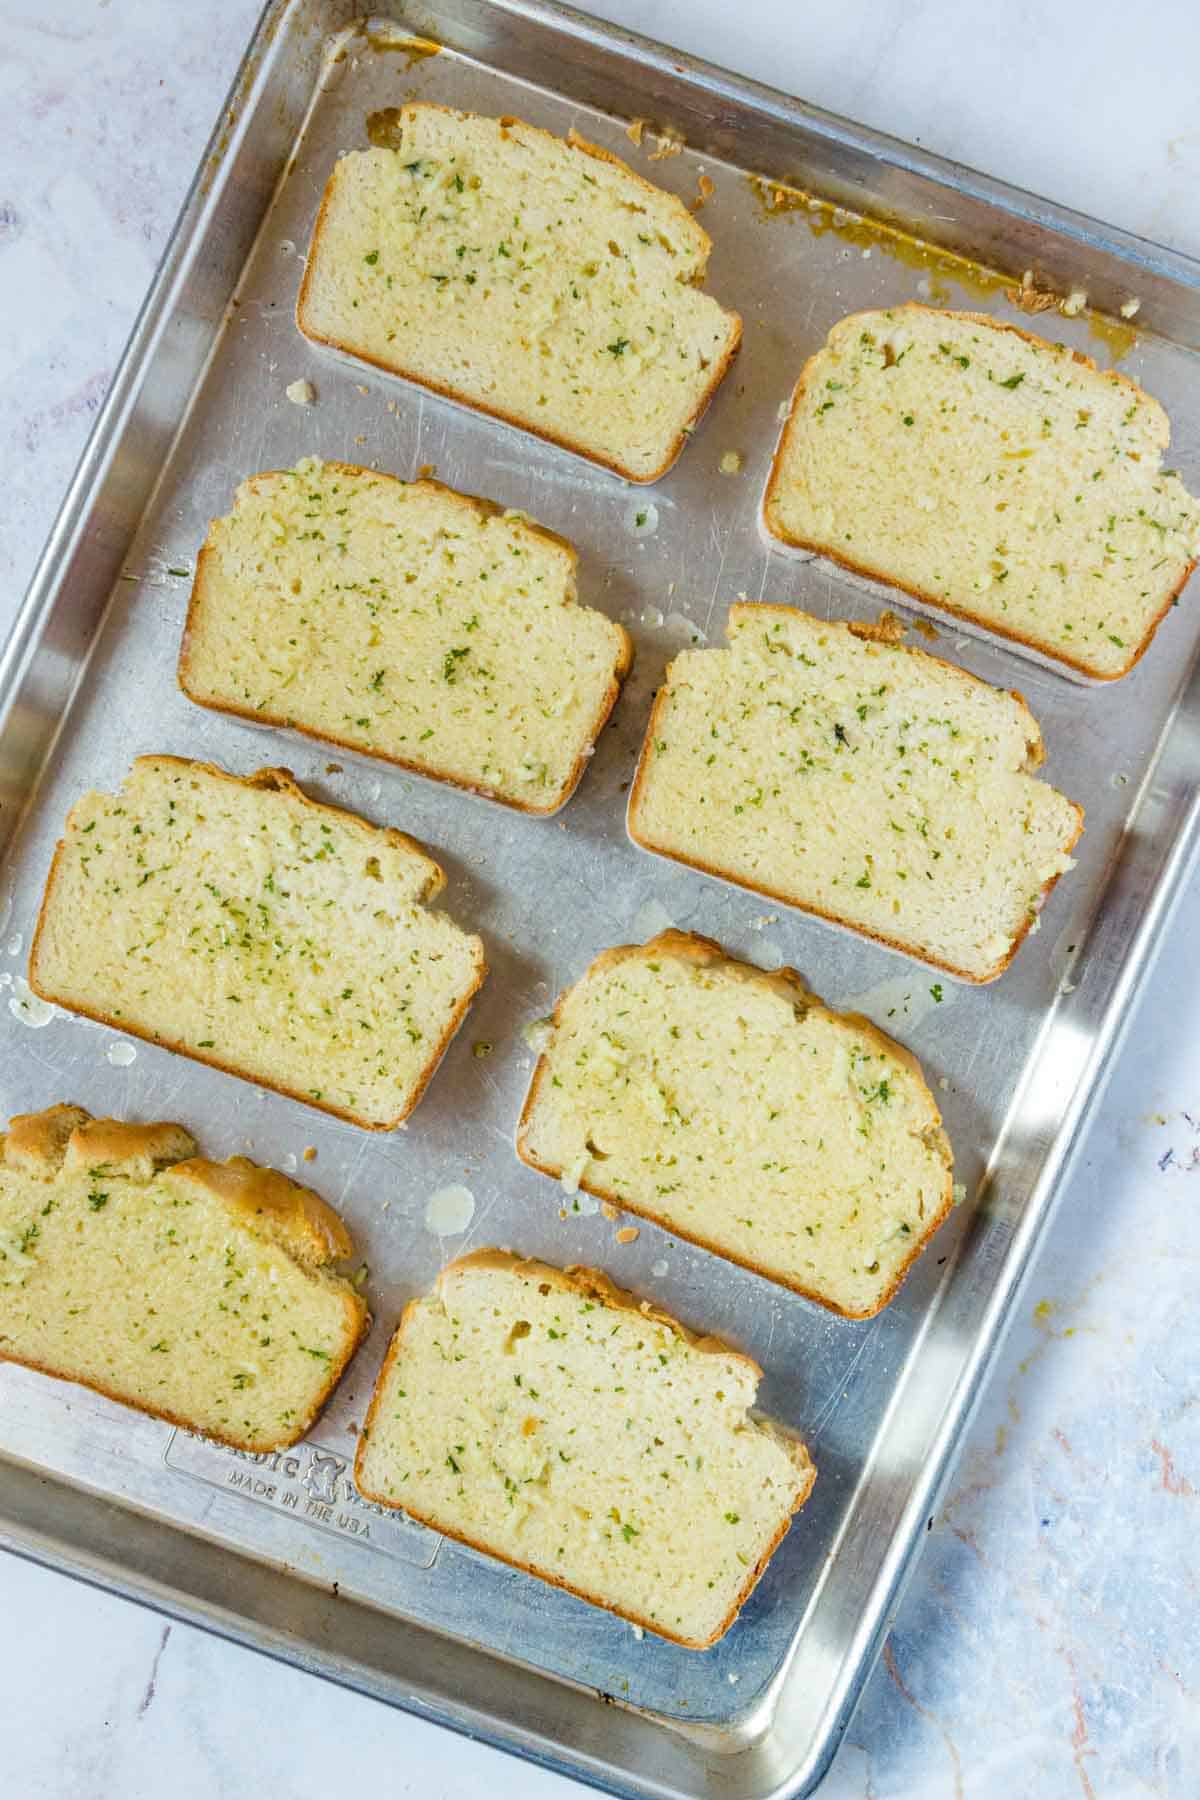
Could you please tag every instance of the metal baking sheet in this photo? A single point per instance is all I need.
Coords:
(279, 1551)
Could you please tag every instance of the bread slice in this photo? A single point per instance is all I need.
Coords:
(201, 1292)
(549, 1418)
(533, 277)
(248, 926)
(734, 1108)
(406, 621)
(991, 475)
(842, 772)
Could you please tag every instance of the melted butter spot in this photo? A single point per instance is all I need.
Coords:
(27, 1008)
(450, 1210)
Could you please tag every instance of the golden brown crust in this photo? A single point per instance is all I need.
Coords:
(817, 912)
(1053, 655)
(483, 509)
(276, 781)
(790, 985)
(590, 1283)
(293, 1216)
(63, 1138)
(35, 1143)
(120, 1148)
(719, 370)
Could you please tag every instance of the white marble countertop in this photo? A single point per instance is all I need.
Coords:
(1049, 1644)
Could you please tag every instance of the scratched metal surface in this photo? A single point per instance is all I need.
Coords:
(547, 896)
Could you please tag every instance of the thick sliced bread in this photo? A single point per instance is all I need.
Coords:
(734, 1108)
(533, 277)
(991, 475)
(549, 1418)
(200, 1292)
(406, 621)
(252, 928)
(859, 779)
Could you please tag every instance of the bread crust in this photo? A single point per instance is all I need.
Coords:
(292, 1215)
(720, 367)
(40, 1146)
(482, 509)
(275, 780)
(706, 952)
(35, 1143)
(1054, 657)
(858, 628)
(140, 1150)
(586, 1282)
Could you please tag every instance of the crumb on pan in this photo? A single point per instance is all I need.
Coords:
(889, 628)
(1029, 296)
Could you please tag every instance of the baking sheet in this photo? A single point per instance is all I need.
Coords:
(879, 1402)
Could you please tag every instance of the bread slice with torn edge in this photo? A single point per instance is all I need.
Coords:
(553, 1420)
(532, 277)
(204, 1293)
(238, 921)
(837, 770)
(732, 1107)
(408, 622)
(989, 474)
